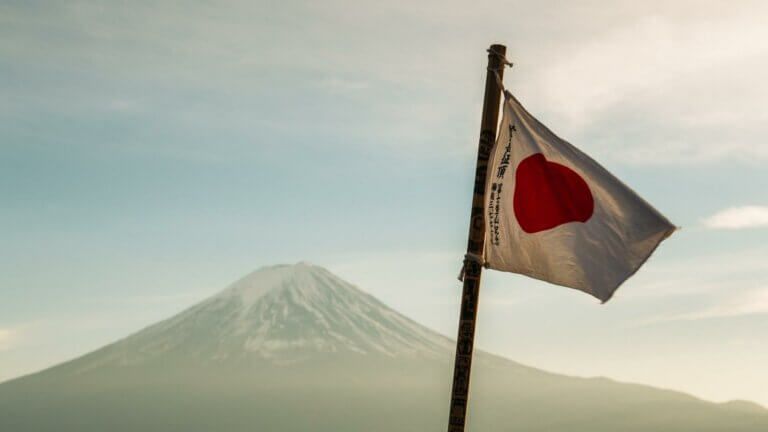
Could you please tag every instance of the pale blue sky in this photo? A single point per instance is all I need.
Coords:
(153, 153)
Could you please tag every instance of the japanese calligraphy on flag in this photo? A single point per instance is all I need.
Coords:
(553, 213)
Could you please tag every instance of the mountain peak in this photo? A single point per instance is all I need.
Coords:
(252, 287)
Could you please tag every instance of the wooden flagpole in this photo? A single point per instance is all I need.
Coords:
(473, 267)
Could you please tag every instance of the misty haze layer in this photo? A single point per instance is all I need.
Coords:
(294, 348)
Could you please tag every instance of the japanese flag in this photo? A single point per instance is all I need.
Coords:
(554, 214)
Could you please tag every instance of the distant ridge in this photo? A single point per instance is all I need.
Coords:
(295, 348)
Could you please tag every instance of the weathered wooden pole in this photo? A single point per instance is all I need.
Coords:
(472, 264)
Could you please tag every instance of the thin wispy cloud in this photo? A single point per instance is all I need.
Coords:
(719, 285)
(6, 339)
(754, 302)
(735, 218)
(704, 273)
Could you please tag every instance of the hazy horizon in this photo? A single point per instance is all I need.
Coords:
(154, 154)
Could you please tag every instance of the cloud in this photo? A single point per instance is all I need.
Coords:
(666, 89)
(704, 272)
(754, 302)
(664, 51)
(750, 303)
(634, 81)
(6, 338)
(738, 218)
(718, 285)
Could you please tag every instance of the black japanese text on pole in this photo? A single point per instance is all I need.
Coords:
(473, 262)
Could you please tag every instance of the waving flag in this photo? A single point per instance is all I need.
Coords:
(554, 214)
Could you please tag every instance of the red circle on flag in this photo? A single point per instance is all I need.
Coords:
(548, 194)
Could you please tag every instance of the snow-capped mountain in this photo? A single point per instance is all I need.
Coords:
(295, 348)
(282, 314)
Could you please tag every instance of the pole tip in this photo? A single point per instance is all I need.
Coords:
(499, 48)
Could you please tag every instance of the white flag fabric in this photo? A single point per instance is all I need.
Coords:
(553, 213)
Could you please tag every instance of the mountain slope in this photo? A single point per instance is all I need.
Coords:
(280, 314)
(294, 348)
